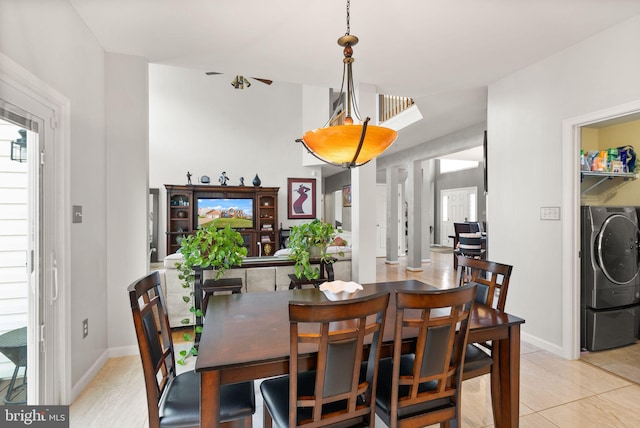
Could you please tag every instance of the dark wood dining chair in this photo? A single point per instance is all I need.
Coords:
(468, 242)
(174, 400)
(338, 392)
(492, 279)
(423, 388)
(458, 228)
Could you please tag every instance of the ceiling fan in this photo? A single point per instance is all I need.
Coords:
(239, 82)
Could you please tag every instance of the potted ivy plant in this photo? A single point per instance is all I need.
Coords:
(309, 241)
(207, 247)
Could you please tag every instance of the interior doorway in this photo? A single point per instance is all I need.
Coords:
(571, 221)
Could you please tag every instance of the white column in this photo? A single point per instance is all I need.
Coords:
(392, 215)
(363, 223)
(414, 199)
(427, 208)
(363, 203)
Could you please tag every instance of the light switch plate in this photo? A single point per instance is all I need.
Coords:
(549, 213)
(76, 213)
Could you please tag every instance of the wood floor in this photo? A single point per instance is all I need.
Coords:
(18, 394)
(554, 392)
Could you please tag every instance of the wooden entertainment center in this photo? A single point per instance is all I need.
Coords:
(261, 239)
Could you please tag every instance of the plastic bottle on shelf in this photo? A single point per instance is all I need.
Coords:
(612, 160)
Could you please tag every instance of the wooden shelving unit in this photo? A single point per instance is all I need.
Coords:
(267, 223)
(179, 218)
(182, 215)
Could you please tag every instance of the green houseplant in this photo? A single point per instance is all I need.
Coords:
(208, 247)
(309, 241)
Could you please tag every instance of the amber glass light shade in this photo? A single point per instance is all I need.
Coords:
(338, 144)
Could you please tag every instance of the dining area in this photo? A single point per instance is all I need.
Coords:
(249, 339)
(582, 394)
(246, 338)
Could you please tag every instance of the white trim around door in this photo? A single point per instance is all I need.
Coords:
(24, 90)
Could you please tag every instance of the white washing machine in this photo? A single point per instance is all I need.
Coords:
(610, 280)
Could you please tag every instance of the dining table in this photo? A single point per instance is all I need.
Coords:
(246, 337)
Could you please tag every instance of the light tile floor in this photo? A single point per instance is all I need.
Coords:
(554, 392)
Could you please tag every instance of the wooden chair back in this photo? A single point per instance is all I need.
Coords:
(150, 319)
(477, 243)
(459, 228)
(339, 331)
(492, 279)
(425, 386)
(474, 226)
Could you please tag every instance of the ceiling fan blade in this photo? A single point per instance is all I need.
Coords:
(210, 73)
(265, 81)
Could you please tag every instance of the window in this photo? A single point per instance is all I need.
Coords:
(451, 165)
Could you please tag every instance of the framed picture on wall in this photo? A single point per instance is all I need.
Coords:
(346, 195)
(301, 198)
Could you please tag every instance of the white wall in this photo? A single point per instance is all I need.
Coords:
(127, 190)
(201, 124)
(48, 39)
(525, 117)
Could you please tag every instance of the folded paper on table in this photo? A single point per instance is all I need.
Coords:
(340, 290)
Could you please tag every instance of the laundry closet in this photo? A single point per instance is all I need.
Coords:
(610, 212)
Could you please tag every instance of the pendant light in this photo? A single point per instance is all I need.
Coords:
(348, 143)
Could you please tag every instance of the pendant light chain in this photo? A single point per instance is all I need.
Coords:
(348, 16)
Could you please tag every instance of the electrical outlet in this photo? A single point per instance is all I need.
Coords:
(85, 328)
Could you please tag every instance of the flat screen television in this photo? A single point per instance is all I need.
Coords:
(237, 212)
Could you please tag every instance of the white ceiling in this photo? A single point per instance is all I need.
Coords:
(442, 53)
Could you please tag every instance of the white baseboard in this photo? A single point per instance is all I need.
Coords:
(122, 351)
(542, 344)
(88, 376)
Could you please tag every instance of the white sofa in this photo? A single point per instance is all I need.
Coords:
(255, 279)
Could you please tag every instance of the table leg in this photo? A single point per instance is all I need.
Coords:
(210, 399)
(509, 384)
(496, 397)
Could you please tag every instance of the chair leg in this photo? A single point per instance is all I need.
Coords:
(267, 421)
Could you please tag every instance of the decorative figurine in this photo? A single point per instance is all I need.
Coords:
(241, 181)
(256, 181)
(223, 179)
(188, 178)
